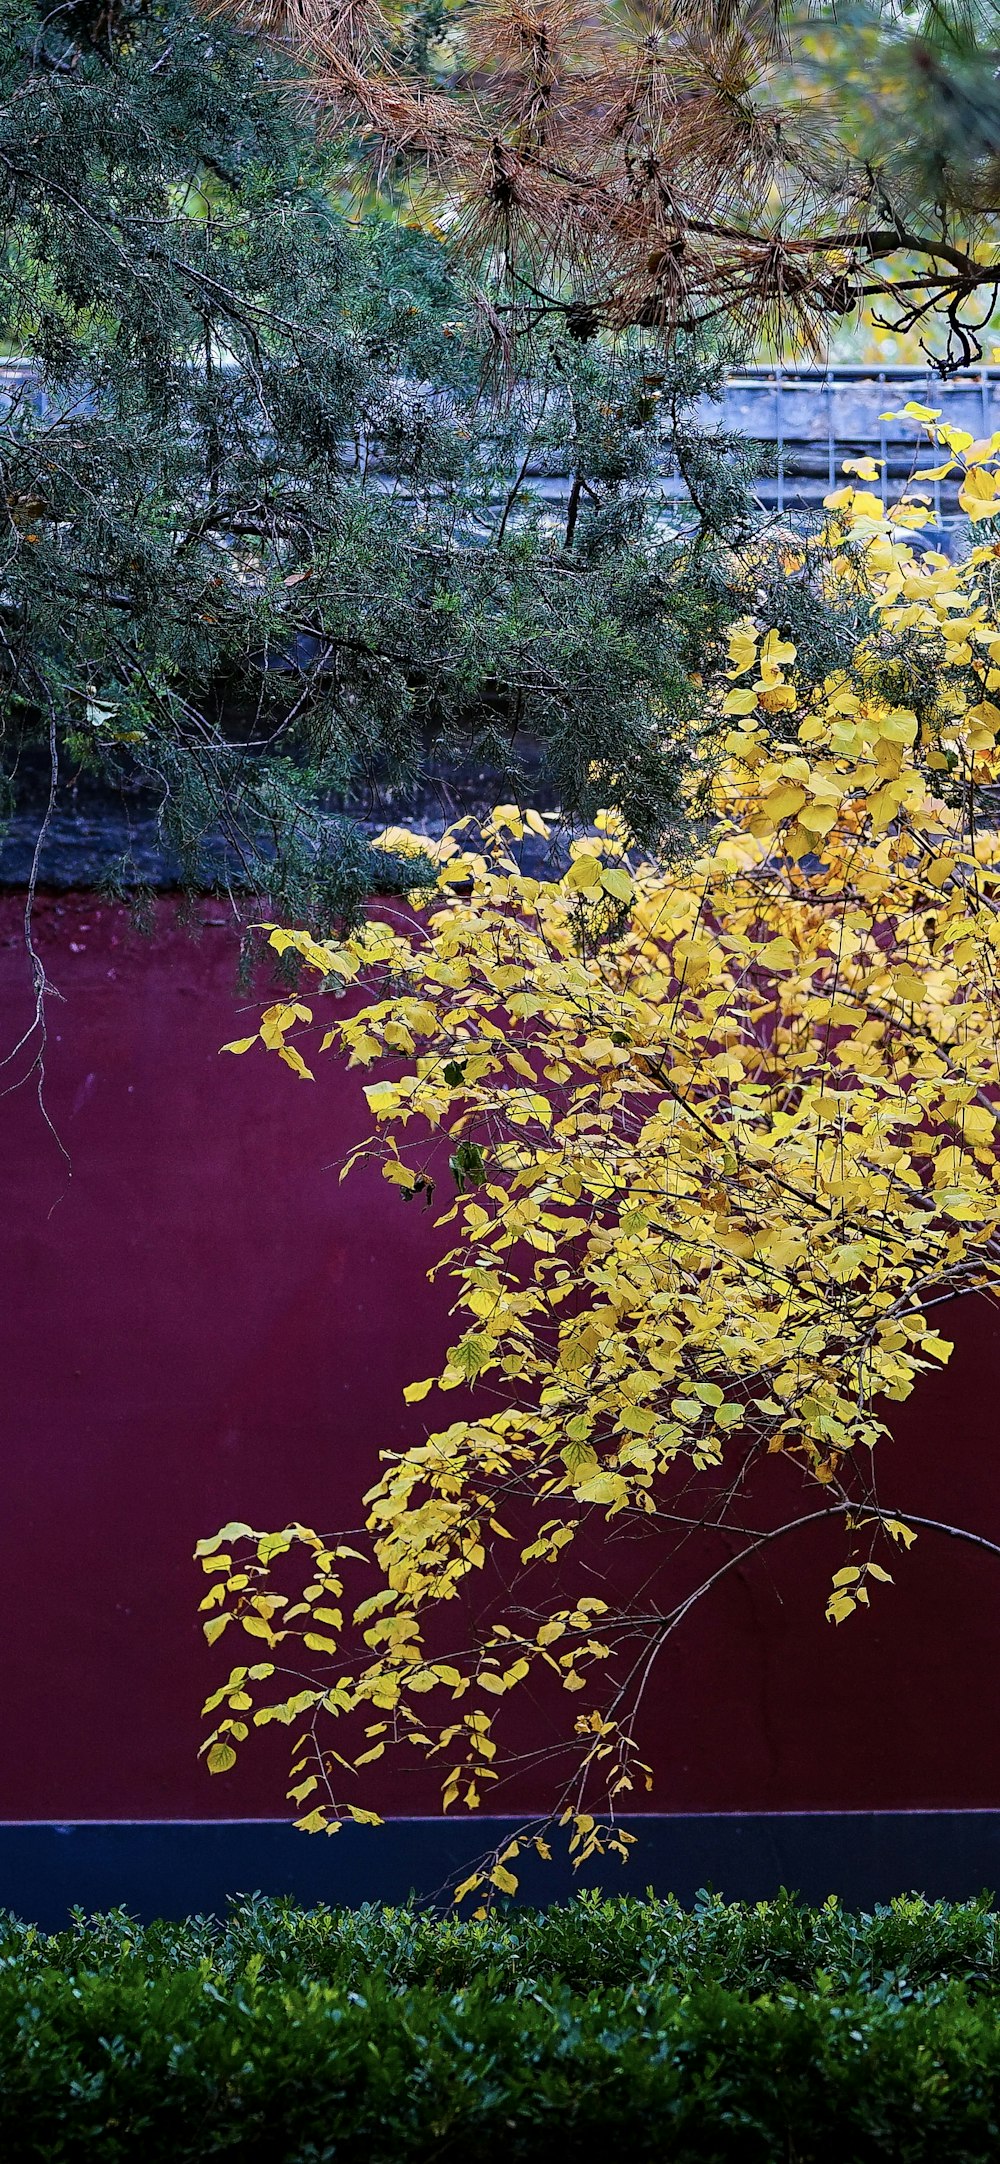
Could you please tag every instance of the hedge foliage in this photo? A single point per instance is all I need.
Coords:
(763, 2033)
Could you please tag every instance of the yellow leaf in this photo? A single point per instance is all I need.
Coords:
(240, 1044)
(383, 1099)
(392, 1169)
(317, 1822)
(784, 802)
(818, 818)
(776, 652)
(220, 1758)
(295, 1061)
(468, 1886)
(907, 985)
(503, 1879)
(978, 495)
(235, 1530)
(608, 1488)
(984, 715)
(583, 874)
(866, 506)
(839, 1607)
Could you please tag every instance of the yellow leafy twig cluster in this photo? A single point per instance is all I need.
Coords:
(720, 1139)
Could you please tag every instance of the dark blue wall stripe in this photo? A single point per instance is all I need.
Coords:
(174, 1869)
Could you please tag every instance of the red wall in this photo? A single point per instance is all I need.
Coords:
(201, 1322)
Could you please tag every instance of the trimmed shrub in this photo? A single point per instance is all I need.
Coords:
(775, 2032)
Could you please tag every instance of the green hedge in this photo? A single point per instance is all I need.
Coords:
(772, 2033)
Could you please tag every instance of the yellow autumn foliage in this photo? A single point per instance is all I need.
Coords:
(723, 1143)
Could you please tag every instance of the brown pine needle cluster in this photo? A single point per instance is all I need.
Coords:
(675, 167)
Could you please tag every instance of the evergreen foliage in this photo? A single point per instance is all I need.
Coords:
(384, 2036)
(758, 163)
(263, 537)
(590, 1944)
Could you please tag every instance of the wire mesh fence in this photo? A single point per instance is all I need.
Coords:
(812, 419)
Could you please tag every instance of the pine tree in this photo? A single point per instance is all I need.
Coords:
(269, 530)
(758, 164)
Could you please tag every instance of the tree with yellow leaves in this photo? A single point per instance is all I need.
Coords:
(722, 1143)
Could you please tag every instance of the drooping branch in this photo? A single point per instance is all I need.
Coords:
(661, 177)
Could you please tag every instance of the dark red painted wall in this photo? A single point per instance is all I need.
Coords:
(201, 1322)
